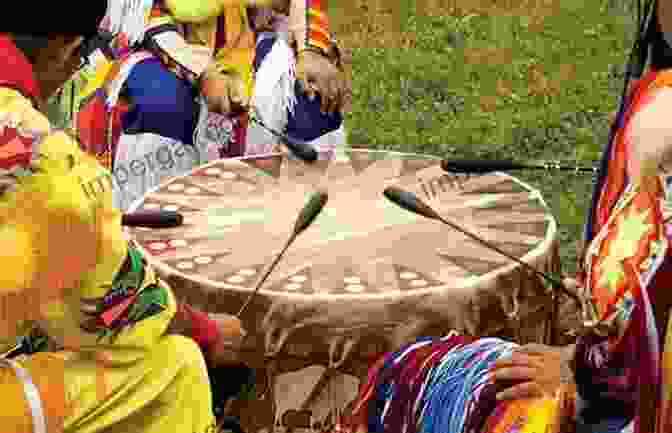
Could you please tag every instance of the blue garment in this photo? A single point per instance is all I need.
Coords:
(306, 123)
(161, 103)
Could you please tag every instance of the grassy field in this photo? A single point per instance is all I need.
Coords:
(525, 79)
(537, 80)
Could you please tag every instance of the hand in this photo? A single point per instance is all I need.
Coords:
(318, 74)
(224, 93)
(534, 371)
(230, 334)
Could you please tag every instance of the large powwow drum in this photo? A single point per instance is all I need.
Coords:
(366, 277)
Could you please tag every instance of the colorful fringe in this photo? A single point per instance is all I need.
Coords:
(443, 386)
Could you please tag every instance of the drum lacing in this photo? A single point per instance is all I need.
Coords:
(32, 396)
(346, 347)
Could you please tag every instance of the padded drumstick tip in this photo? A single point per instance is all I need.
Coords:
(301, 149)
(310, 211)
(409, 201)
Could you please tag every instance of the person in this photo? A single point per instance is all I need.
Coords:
(120, 369)
(147, 110)
(616, 377)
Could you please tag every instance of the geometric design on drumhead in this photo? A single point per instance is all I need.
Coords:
(197, 263)
(495, 185)
(299, 282)
(184, 187)
(153, 203)
(270, 165)
(524, 207)
(412, 166)
(516, 249)
(532, 228)
(244, 277)
(411, 279)
(473, 265)
(352, 284)
(361, 160)
(157, 247)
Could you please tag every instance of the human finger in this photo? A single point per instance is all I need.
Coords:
(525, 390)
(514, 373)
(518, 359)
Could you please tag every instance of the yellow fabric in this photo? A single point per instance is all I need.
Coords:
(198, 11)
(94, 79)
(194, 11)
(237, 56)
(62, 245)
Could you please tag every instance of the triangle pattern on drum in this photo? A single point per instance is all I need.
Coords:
(299, 282)
(490, 184)
(411, 279)
(532, 228)
(362, 159)
(473, 265)
(353, 284)
(195, 264)
(185, 187)
(271, 165)
(516, 249)
(412, 166)
(153, 203)
(246, 277)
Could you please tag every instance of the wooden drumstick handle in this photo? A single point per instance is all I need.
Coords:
(412, 203)
(307, 216)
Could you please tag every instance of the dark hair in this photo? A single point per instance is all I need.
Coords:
(661, 52)
(30, 45)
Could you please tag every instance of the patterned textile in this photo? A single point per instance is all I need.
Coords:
(626, 264)
(442, 385)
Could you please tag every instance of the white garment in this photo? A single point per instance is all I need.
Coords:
(144, 161)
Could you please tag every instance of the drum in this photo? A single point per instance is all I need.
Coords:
(364, 278)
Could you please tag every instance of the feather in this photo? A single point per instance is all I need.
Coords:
(128, 17)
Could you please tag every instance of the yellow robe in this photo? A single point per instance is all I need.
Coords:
(62, 245)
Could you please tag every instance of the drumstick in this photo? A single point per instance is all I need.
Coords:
(308, 214)
(300, 148)
(152, 219)
(482, 166)
(412, 203)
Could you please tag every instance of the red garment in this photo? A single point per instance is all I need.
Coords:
(203, 329)
(16, 72)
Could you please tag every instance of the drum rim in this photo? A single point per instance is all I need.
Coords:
(485, 280)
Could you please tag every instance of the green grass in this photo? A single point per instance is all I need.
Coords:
(438, 97)
(465, 78)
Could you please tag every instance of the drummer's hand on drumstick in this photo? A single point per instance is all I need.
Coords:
(533, 371)
(230, 334)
